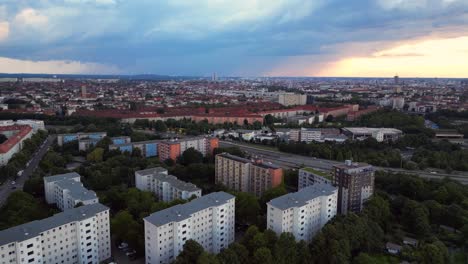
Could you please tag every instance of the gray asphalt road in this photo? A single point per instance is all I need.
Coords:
(287, 160)
(6, 188)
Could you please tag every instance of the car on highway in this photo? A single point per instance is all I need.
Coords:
(433, 172)
(13, 183)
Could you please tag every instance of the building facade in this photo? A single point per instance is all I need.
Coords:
(172, 149)
(66, 138)
(80, 236)
(355, 182)
(311, 176)
(16, 135)
(233, 172)
(67, 191)
(303, 213)
(166, 187)
(244, 175)
(290, 99)
(209, 220)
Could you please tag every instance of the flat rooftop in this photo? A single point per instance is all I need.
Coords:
(234, 157)
(161, 175)
(184, 211)
(35, 228)
(321, 173)
(302, 197)
(370, 130)
(60, 177)
(77, 190)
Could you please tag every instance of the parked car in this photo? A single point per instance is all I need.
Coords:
(123, 245)
(132, 252)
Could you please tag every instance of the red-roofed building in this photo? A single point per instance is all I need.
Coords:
(16, 135)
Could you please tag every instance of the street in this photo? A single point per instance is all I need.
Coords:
(292, 161)
(6, 188)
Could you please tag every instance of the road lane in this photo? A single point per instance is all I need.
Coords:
(6, 188)
(293, 161)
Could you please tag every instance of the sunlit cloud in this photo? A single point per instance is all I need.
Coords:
(428, 58)
(4, 30)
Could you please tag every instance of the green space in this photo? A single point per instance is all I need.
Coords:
(324, 174)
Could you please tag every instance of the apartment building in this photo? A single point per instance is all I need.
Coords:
(244, 175)
(80, 235)
(36, 125)
(233, 172)
(303, 213)
(16, 135)
(169, 150)
(166, 187)
(355, 182)
(290, 99)
(65, 138)
(67, 191)
(174, 148)
(264, 176)
(147, 149)
(209, 220)
(311, 176)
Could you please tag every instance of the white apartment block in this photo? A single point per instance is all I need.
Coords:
(79, 236)
(198, 143)
(166, 187)
(66, 191)
(310, 176)
(209, 220)
(303, 213)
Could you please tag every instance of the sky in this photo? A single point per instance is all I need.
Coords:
(355, 38)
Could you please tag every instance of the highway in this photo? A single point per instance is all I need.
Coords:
(292, 161)
(7, 188)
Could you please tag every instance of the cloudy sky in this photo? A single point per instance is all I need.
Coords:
(412, 38)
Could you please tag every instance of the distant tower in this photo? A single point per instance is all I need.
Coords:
(83, 92)
(214, 78)
(396, 79)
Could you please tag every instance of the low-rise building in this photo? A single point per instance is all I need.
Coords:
(303, 213)
(209, 220)
(66, 138)
(380, 134)
(166, 187)
(79, 235)
(67, 191)
(147, 149)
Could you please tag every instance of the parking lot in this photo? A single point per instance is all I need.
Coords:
(121, 258)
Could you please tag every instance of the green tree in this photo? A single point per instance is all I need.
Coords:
(190, 253)
(160, 126)
(96, 155)
(285, 249)
(263, 255)
(191, 156)
(247, 208)
(206, 258)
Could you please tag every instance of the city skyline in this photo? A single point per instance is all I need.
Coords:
(361, 38)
